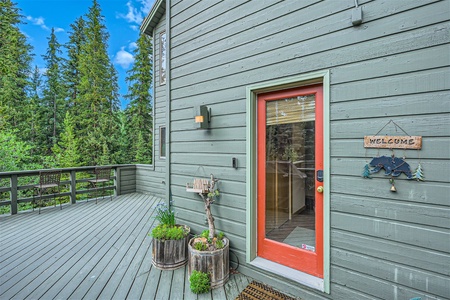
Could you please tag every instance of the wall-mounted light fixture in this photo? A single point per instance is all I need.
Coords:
(203, 117)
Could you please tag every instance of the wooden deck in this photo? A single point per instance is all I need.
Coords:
(89, 251)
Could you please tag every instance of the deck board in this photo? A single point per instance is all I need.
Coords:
(91, 251)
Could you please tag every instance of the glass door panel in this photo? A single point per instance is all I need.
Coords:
(290, 153)
(290, 169)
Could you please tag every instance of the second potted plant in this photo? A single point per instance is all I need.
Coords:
(169, 240)
(209, 252)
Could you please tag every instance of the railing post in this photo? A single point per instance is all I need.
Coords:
(13, 185)
(117, 181)
(73, 187)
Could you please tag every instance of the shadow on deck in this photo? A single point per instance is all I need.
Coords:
(89, 251)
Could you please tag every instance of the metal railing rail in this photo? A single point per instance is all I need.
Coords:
(14, 186)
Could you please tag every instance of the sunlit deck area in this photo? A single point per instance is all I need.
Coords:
(91, 251)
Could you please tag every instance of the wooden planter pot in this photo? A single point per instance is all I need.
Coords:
(170, 254)
(216, 263)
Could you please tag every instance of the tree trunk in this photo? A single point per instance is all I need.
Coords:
(210, 218)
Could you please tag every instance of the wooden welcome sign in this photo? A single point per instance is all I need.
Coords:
(393, 142)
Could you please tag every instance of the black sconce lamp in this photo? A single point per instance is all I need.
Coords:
(203, 117)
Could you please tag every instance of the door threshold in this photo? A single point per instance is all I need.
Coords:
(289, 273)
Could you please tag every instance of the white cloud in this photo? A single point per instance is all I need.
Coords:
(133, 15)
(146, 5)
(124, 58)
(136, 15)
(132, 46)
(38, 21)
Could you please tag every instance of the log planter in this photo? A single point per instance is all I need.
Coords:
(216, 263)
(170, 254)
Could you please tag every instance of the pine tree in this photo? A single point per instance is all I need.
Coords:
(15, 59)
(35, 100)
(418, 173)
(14, 152)
(139, 110)
(366, 171)
(53, 106)
(97, 99)
(123, 154)
(66, 151)
(71, 72)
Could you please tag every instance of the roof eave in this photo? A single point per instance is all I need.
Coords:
(153, 17)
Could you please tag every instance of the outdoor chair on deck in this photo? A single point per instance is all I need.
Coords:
(102, 178)
(48, 182)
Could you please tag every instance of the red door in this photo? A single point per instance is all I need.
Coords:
(290, 170)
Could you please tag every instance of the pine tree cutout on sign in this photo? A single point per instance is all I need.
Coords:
(366, 172)
(418, 173)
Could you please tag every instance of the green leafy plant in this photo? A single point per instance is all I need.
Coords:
(199, 246)
(204, 243)
(167, 232)
(219, 244)
(165, 215)
(205, 233)
(200, 282)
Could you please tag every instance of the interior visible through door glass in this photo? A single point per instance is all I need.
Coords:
(290, 171)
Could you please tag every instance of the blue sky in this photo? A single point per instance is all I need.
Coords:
(121, 17)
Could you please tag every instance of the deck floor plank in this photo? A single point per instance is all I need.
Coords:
(102, 276)
(91, 251)
(219, 293)
(143, 248)
(188, 294)
(165, 283)
(241, 282)
(94, 256)
(82, 245)
(140, 280)
(177, 290)
(118, 281)
(43, 232)
(87, 277)
(231, 289)
(47, 260)
(40, 233)
(152, 284)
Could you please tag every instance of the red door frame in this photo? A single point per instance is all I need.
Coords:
(293, 257)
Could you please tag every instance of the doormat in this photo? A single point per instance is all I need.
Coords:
(259, 291)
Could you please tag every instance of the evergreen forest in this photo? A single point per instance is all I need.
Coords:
(70, 115)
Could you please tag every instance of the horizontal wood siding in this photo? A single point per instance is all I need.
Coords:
(395, 66)
(151, 179)
(127, 180)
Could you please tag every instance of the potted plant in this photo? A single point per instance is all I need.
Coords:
(169, 240)
(209, 252)
(199, 282)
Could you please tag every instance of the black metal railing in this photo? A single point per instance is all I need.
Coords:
(16, 187)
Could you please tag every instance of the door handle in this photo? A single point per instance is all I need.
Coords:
(320, 189)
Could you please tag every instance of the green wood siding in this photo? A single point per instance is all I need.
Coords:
(393, 66)
(151, 179)
(127, 180)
